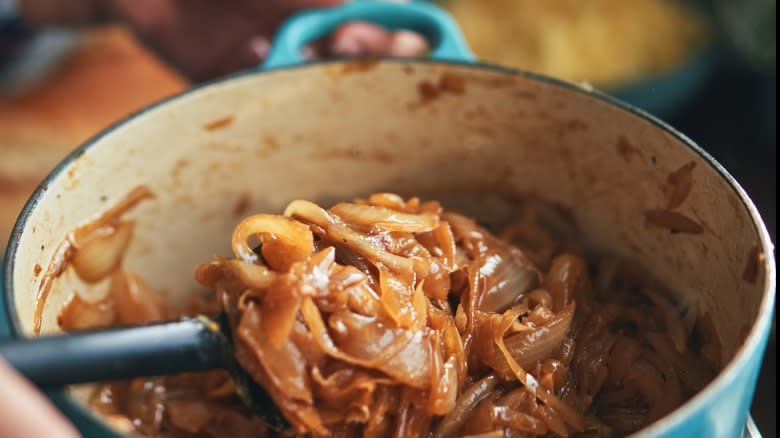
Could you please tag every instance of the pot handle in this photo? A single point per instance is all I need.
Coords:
(437, 26)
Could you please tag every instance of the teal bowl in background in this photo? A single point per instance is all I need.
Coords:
(665, 94)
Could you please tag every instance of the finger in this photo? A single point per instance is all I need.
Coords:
(404, 43)
(259, 46)
(360, 38)
(25, 411)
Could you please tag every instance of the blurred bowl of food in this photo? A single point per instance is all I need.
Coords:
(654, 54)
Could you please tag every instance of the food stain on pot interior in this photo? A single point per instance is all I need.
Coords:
(625, 149)
(574, 126)
(673, 221)
(179, 166)
(543, 115)
(214, 166)
(242, 205)
(223, 147)
(479, 112)
(753, 266)
(678, 185)
(353, 153)
(267, 146)
(359, 66)
(524, 94)
(485, 130)
(72, 180)
(72, 175)
(392, 138)
(448, 83)
(218, 124)
(452, 82)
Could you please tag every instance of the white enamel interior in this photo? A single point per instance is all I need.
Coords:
(328, 132)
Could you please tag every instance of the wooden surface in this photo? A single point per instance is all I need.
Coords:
(108, 76)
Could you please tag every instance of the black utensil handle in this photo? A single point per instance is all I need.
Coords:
(189, 344)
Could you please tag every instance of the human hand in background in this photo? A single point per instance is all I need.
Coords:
(25, 412)
(206, 39)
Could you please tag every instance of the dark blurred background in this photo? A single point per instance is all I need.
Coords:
(733, 118)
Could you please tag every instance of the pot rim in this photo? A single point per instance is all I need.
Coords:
(759, 330)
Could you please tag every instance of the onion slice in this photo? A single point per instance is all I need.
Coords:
(377, 219)
(530, 348)
(569, 415)
(102, 253)
(289, 241)
(452, 422)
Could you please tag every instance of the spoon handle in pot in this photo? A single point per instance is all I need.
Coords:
(189, 344)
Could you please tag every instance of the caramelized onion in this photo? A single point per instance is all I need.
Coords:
(102, 252)
(509, 276)
(288, 240)
(467, 402)
(189, 415)
(135, 301)
(566, 280)
(493, 434)
(68, 249)
(567, 413)
(285, 294)
(691, 370)
(78, 314)
(250, 275)
(392, 317)
(518, 421)
(384, 219)
(672, 320)
(533, 347)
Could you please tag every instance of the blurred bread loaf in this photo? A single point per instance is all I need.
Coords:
(109, 75)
